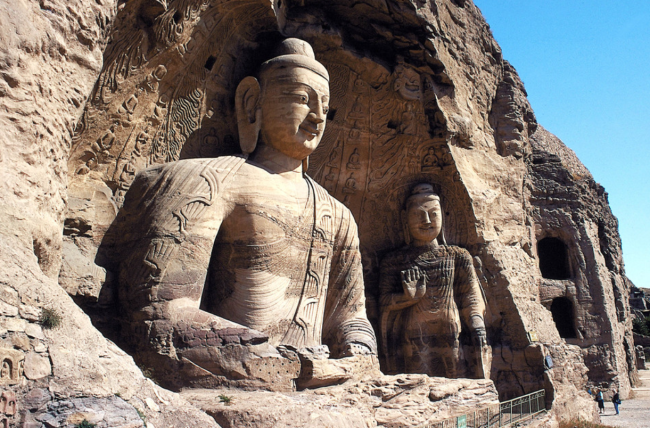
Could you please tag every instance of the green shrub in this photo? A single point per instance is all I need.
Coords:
(225, 399)
(85, 424)
(49, 318)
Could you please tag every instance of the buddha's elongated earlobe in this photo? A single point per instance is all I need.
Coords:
(249, 113)
(305, 165)
(405, 227)
(441, 236)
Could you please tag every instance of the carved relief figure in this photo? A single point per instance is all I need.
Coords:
(408, 126)
(407, 83)
(426, 289)
(436, 158)
(430, 160)
(350, 184)
(354, 135)
(245, 250)
(5, 372)
(353, 160)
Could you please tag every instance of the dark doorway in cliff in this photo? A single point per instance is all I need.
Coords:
(562, 310)
(553, 259)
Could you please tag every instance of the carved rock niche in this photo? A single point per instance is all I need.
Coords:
(11, 369)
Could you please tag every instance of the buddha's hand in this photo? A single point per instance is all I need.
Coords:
(414, 281)
(198, 329)
(477, 326)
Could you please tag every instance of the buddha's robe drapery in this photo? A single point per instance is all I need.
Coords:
(302, 288)
(425, 327)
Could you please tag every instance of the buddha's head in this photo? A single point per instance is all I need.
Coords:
(422, 217)
(287, 107)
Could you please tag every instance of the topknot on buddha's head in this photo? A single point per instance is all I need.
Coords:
(294, 53)
(421, 192)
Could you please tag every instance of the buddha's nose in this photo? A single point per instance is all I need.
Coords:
(427, 219)
(317, 114)
(316, 118)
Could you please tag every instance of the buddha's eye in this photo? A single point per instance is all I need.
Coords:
(299, 96)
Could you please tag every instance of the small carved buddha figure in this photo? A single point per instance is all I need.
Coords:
(429, 160)
(350, 184)
(426, 289)
(5, 372)
(353, 161)
(246, 249)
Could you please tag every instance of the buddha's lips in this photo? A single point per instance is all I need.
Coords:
(309, 130)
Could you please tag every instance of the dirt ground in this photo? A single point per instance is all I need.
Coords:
(634, 413)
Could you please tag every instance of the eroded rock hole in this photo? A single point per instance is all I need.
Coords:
(177, 17)
(562, 311)
(209, 63)
(553, 259)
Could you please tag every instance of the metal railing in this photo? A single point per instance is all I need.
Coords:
(499, 415)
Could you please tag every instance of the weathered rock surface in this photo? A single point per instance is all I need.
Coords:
(101, 412)
(413, 78)
(388, 401)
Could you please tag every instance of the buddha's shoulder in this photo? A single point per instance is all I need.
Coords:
(187, 176)
(191, 167)
(456, 251)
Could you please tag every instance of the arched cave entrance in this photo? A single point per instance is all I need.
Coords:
(553, 259)
(562, 311)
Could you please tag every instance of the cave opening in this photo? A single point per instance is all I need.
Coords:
(553, 258)
(562, 311)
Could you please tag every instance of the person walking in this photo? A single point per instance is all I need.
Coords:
(601, 401)
(616, 400)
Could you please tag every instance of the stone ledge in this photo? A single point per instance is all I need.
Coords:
(388, 401)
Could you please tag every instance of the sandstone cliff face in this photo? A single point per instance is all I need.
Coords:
(50, 57)
(93, 92)
(570, 210)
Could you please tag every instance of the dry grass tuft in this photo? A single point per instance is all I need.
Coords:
(576, 423)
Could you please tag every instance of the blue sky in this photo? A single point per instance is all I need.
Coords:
(586, 68)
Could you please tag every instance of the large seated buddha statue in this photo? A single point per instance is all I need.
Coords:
(240, 266)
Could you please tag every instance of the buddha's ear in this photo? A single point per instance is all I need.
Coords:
(405, 227)
(249, 113)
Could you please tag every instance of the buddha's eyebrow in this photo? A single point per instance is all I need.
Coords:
(288, 82)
